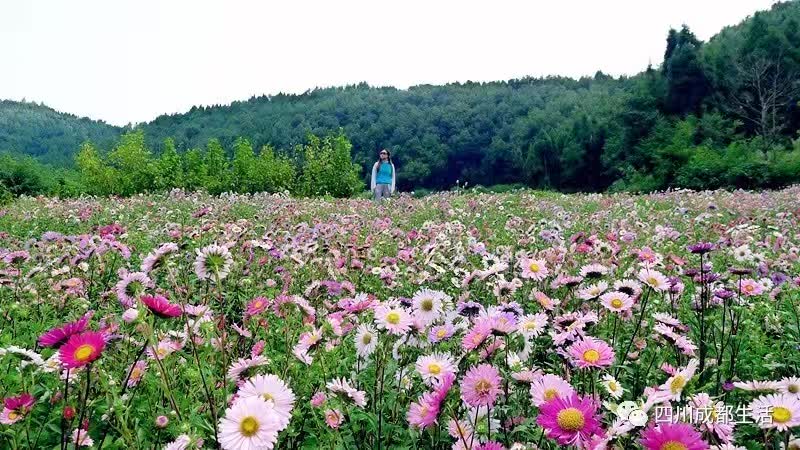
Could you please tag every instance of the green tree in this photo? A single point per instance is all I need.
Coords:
(170, 167)
(244, 166)
(135, 168)
(194, 168)
(273, 173)
(99, 178)
(218, 174)
(328, 168)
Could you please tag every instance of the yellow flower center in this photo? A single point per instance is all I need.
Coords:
(534, 267)
(677, 384)
(426, 305)
(12, 415)
(550, 394)
(259, 304)
(616, 303)
(652, 281)
(781, 414)
(84, 352)
(441, 333)
(793, 388)
(434, 368)
(393, 318)
(249, 426)
(366, 338)
(612, 386)
(267, 396)
(570, 419)
(591, 356)
(673, 445)
(483, 386)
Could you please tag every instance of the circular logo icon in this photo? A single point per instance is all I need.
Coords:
(637, 418)
(624, 409)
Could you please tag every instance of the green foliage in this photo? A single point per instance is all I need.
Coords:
(169, 167)
(328, 169)
(98, 176)
(218, 176)
(134, 168)
(273, 172)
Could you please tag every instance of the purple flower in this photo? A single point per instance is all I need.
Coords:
(701, 248)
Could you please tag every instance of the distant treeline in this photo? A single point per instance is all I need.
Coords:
(320, 167)
(719, 114)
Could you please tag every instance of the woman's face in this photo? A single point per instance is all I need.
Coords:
(384, 155)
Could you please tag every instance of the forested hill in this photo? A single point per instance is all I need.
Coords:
(49, 135)
(717, 114)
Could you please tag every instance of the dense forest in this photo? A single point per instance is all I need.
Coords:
(722, 113)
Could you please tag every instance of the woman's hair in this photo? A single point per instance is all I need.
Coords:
(388, 153)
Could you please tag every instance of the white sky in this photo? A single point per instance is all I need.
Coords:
(130, 60)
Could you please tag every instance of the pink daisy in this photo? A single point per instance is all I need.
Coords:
(672, 436)
(432, 368)
(779, 411)
(425, 411)
(790, 385)
(131, 286)
(256, 306)
(334, 418)
(81, 349)
(481, 386)
(477, 335)
(533, 269)
(273, 390)
(440, 333)
(137, 372)
(15, 408)
(532, 325)
(250, 423)
(57, 336)
(549, 387)
(617, 302)
(591, 353)
(544, 301)
(160, 306)
(570, 421)
(654, 279)
(393, 319)
(751, 287)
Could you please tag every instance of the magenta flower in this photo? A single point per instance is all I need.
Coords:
(571, 420)
(81, 349)
(160, 306)
(481, 386)
(256, 306)
(425, 411)
(701, 248)
(672, 436)
(15, 408)
(591, 353)
(57, 336)
(477, 335)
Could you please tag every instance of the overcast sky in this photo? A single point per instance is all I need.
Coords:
(130, 60)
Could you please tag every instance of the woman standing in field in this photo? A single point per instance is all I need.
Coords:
(383, 176)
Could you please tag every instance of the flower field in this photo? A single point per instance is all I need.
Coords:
(460, 320)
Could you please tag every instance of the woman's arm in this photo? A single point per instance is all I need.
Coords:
(374, 176)
(393, 178)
